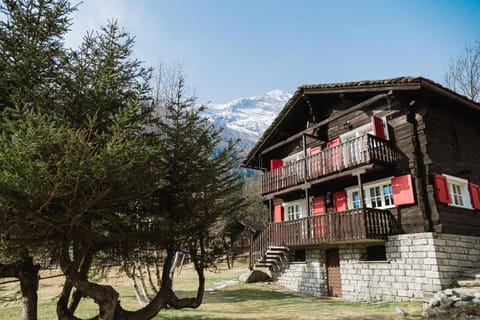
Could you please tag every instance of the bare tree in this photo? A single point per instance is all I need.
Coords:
(463, 73)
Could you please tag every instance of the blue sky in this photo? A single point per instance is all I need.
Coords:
(240, 48)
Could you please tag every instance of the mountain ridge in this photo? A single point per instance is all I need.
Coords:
(247, 118)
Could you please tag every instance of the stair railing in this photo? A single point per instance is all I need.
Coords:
(258, 247)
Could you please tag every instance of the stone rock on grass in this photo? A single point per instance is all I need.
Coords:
(461, 304)
(252, 276)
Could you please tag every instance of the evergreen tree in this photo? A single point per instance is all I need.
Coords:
(31, 46)
(199, 189)
(85, 167)
(31, 40)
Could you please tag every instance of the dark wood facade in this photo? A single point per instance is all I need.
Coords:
(429, 131)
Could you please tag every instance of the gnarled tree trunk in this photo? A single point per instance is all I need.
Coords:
(25, 271)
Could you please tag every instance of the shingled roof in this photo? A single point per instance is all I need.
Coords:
(381, 85)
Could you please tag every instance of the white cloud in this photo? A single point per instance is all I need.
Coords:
(92, 14)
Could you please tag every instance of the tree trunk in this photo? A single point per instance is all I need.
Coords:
(104, 296)
(25, 271)
(165, 296)
(150, 280)
(141, 279)
(133, 277)
(157, 270)
(28, 275)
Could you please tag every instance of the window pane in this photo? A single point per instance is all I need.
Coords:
(375, 197)
(356, 199)
(388, 194)
(456, 194)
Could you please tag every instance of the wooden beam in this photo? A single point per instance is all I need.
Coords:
(298, 135)
(453, 95)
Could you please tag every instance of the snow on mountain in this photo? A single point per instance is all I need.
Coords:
(247, 118)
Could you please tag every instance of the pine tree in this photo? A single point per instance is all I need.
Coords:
(199, 189)
(31, 35)
(31, 46)
(85, 167)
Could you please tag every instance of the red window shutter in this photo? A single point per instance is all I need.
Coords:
(275, 163)
(318, 205)
(402, 189)
(378, 128)
(334, 161)
(474, 195)
(340, 201)
(278, 213)
(315, 150)
(316, 163)
(333, 142)
(441, 188)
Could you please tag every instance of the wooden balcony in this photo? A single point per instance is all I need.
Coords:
(347, 226)
(364, 150)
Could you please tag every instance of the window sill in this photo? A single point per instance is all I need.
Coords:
(458, 206)
(374, 261)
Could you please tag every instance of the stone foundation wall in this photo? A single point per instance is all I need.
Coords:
(417, 265)
(456, 254)
(308, 277)
(409, 271)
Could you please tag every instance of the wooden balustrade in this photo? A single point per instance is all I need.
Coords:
(258, 247)
(359, 151)
(346, 226)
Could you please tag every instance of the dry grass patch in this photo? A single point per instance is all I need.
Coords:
(237, 301)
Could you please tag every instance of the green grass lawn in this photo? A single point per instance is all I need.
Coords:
(238, 301)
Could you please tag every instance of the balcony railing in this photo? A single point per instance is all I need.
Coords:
(356, 152)
(346, 226)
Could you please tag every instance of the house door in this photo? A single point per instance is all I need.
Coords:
(334, 281)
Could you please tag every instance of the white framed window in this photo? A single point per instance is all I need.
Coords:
(377, 194)
(357, 132)
(458, 190)
(293, 157)
(294, 210)
(355, 195)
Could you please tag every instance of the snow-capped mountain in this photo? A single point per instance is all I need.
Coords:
(247, 118)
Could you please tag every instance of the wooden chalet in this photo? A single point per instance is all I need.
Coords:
(367, 170)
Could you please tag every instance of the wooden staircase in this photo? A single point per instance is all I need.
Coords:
(273, 258)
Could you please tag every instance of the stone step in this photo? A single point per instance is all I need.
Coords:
(275, 253)
(278, 248)
(263, 265)
(472, 274)
(271, 259)
(473, 291)
(469, 283)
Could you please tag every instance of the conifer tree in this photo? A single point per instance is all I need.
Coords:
(31, 47)
(199, 189)
(82, 170)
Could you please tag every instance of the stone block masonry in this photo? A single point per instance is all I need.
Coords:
(308, 277)
(417, 265)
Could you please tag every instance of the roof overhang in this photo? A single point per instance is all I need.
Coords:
(371, 86)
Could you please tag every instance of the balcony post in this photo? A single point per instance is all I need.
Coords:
(270, 211)
(359, 173)
(305, 154)
(308, 215)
